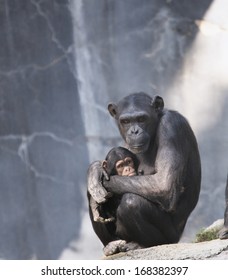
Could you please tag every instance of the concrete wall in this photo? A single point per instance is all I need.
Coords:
(61, 63)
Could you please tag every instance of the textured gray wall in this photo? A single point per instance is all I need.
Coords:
(42, 145)
(61, 62)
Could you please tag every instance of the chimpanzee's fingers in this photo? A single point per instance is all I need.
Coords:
(105, 174)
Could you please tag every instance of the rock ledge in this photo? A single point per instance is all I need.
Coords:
(215, 249)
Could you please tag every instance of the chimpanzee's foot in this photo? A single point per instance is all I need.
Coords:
(118, 246)
(114, 247)
(102, 220)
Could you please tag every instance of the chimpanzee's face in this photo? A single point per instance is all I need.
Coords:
(137, 119)
(125, 167)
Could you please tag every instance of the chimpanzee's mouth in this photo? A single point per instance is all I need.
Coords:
(132, 174)
(137, 148)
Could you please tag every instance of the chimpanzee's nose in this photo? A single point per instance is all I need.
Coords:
(134, 130)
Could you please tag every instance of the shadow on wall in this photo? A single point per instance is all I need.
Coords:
(211, 205)
(215, 160)
(137, 46)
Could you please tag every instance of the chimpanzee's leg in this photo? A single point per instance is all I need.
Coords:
(223, 234)
(105, 231)
(143, 222)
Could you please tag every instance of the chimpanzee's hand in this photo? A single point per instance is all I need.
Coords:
(96, 173)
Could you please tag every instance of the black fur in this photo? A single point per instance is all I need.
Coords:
(153, 208)
(223, 234)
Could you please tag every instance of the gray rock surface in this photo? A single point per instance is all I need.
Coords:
(215, 249)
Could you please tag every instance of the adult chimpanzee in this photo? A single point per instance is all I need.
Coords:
(154, 207)
(223, 234)
(119, 161)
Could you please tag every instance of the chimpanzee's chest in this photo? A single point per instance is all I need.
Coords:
(146, 169)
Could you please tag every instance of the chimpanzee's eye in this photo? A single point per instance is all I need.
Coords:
(125, 121)
(120, 165)
(128, 161)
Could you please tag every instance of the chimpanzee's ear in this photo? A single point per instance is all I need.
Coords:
(157, 102)
(112, 109)
(105, 164)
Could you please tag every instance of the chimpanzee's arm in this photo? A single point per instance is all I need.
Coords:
(94, 182)
(164, 187)
(177, 162)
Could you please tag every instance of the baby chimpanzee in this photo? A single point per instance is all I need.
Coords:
(119, 161)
